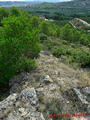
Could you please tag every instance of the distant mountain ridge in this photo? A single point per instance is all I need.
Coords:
(72, 3)
(10, 3)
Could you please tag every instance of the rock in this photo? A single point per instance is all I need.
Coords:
(79, 23)
(86, 90)
(81, 97)
(47, 79)
(22, 111)
(14, 88)
(68, 102)
(52, 87)
(28, 96)
(88, 98)
(7, 105)
(23, 108)
(35, 114)
(45, 53)
(40, 89)
(55, 73)
(12, 117)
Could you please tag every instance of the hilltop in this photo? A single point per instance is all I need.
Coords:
(80, 24)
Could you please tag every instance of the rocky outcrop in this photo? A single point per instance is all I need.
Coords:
(51, 87)
(80, 24)
(24, 106)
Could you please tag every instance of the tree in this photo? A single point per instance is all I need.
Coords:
(19, 47)
(45, 27)
(66, 33)
(14, 11)
(3, 13)
(34, 21)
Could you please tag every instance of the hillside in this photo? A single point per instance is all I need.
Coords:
(51, 87)
(81, 6)
(44, 68)
(61, 12)
(16, 3)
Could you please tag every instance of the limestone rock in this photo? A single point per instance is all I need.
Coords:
(26, 107)
(86, 90)
(81, 97)
(7, 104)
(47, 79)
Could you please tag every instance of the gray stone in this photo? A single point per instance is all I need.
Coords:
(7, 104)
(81, 97)
(22, 111)
(47, 79)
(40, 89)
(23, 108)
(46, 76)
(45, 53)
(55, 73)
(86, 90)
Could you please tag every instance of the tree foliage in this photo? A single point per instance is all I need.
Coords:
(19, 46)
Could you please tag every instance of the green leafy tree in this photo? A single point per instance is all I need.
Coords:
(3, 13)
(19, 48)
(34, 21)
(45, 28)
(14, 11)
(66, 33)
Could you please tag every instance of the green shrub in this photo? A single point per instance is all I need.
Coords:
(58, 51)
(19, 47)
(45, 28)
(66, 33)
(82, 57)
(34, 21)
(43, 37)
(3, 13)
(14, 11)
(25, 64)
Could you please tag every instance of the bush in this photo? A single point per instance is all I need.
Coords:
(34, 21)
(66, 33)
(45, 28)
(19, 47)
(14, 11)
(43, 37)
(82, 57)
(58, 51)
(26, 64)
(3, 13)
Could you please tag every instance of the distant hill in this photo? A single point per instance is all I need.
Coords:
(68, 4)
(74, 6)
(16, 3)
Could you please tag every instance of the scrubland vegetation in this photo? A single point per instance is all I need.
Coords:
(23, 35)
(19, 43)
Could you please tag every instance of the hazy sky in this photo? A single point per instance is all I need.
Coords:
(29, 0)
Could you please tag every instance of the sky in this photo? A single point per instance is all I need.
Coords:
(29, 0)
